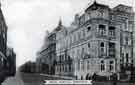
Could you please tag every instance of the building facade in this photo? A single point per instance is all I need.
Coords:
(99, 41)
(46, 57)
(4, 58)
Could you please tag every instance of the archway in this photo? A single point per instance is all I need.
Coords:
(88, 77)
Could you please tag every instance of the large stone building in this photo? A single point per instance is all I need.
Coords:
(99, 41)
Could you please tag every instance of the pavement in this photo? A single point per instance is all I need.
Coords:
(16, 80)
(27, 80)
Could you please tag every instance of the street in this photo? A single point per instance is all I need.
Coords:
(36, 79)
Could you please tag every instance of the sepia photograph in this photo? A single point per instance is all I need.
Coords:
(67, 42)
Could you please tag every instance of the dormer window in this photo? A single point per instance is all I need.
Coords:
(94, 7)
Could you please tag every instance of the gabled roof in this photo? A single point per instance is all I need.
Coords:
(97, 5)
(123, 8)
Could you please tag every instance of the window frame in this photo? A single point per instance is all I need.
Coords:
(102, 31)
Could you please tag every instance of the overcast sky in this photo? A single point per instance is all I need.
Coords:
(28, 20)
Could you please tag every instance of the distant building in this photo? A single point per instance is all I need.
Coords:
(64, 61)
(99, 41)
(28, 67)
(46, 56)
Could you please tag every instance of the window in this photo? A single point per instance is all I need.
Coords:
(102, 30)
(102, 44)
(132, 61)
(63, 57)
(83, 33)
(102, 66)
(122, 58)
(82, 53)
(88, 65)
(127, 58)
(79, 35)
(111, 49)
(65, 68)
(82, 65)
(78, 65)
(74, 37)
(102, 48)
(111, 66)
(126, 40)
(69, 67)
(59, 68)
(112, 31)
(88, 45)
(68, 57)
(88, 28)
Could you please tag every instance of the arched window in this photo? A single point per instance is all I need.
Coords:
(102, 44)
(111, 66)
(127, 58)
(102, 66)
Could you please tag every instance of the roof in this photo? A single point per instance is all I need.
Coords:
(123, 8)
(59, 27)
(96, 4)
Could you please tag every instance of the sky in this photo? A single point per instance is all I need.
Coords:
(28, 20)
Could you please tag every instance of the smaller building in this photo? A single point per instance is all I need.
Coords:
(11, 59)
(28, 67)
